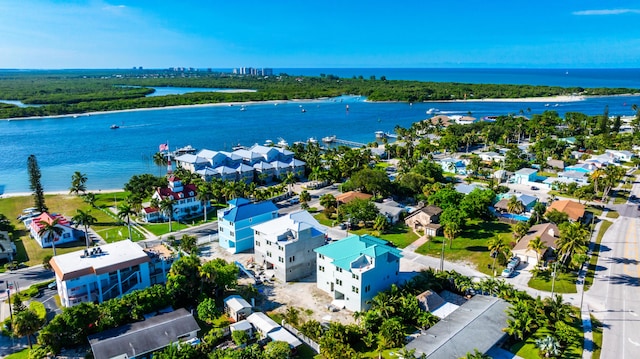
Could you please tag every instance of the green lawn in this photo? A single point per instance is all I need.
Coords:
(613, 214)
(593, 261)
(320, 217)
(547, 174)
(23, 354)
(620, 197)
(594, 210)
(527, 349)
(470, 245)
(400, 235)
(596, 331)
(564, 283)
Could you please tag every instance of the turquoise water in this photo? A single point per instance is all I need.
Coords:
(110, 157)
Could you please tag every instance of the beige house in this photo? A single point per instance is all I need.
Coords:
(548, 233)
(573, 209)
(426, 218)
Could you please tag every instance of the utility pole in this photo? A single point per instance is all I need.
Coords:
(442, 256)
(553, 279)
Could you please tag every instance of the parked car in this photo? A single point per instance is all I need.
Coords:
(513, 263)
(534, 188)
(294, 200)
(52, 285)
(508, 272)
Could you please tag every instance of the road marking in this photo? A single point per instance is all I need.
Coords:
(634, 342)
(631, 251)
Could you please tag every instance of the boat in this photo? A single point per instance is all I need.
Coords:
(188, 149)
(114, 126)
(268, 143)
(312, 140)
(380, 134)
(282, 142)
(243, 108)
(546, 105)
(432, 111)
(303, 110)
(329, 139)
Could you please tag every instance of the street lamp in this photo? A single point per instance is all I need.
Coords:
(442, 255)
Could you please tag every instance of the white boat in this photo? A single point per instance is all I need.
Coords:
(114, 126)
(329, 139)
(243, 108)
(380, 134)
(268, 143)
(188, 149)
(432, 111)
(282, 142)
(312, 140)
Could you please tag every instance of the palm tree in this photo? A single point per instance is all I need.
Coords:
(305, 197)
(328, 201)
(26, 323)
(514, 205)
(595, 177)
(166, 206)
(51, 231)
(124, 213)
(78, 183)
(159, 159)
(520, 230)
(496, 246)
(538, 246)
(90, 198)
(204, 194)
(289, 180)
(86, 220)
(574, 238)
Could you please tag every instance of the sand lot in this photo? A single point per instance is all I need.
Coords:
(303, 295)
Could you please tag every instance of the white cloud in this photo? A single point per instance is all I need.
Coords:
(606, 12)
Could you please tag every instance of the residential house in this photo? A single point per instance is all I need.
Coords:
(101, 273)
(453, 165)
(527, 202)
(548, 233)
(237, 308)
(557, 164)
(235, 221)
(525, 175)
(441, 120)
(286, 245)
(621, 155)
(427, 219)
(161, 258)
(491, 157)
(266, 328)
(478, 324)
(7, 247)
(391, 209)
(354, 269)
(36, 224)
(468, 188)
(185, 203)
(573, 209)
(141, 339)
(347, 197)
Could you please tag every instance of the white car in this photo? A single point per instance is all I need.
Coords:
(508, 272)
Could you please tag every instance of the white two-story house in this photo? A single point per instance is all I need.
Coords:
(185, 202)
(101, 273)
(36, 224)
(234, 223)
(286, 245)
(356, 268)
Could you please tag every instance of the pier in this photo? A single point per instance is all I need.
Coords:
(334, 139)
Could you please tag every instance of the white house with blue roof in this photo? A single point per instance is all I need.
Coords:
(234, 223)
(355, 269)
(285, 245)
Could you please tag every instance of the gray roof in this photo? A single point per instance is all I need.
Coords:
(138, 338)
(477, 324)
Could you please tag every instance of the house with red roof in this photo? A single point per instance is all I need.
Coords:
(36, 224)
(185, 201)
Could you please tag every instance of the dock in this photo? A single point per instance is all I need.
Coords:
(348, 143)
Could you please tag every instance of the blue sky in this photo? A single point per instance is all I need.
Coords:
(328, 33)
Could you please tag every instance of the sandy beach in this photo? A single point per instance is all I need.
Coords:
(550, 99)
(59, 193)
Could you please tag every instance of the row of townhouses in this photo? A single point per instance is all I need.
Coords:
(244, 164)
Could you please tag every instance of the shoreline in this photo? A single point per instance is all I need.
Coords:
(58, 193)
(561, 98)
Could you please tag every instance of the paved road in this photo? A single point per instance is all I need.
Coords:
(615, 296)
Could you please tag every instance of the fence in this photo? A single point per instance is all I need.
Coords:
(305, 339)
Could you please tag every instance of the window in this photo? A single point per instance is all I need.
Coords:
(367, 288)
(292, 259)
(268, 243)
(257, 243)
(339, 269)
(321, 268)
(231, 234)
(355, 276)
(354, 289)
(280, 259)
(268, 254)
(338, 282)
(321, 256)
(280, 248)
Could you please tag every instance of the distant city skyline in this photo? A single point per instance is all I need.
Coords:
(66, 34)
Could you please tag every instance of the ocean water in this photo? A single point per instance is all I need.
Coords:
(110, 157)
